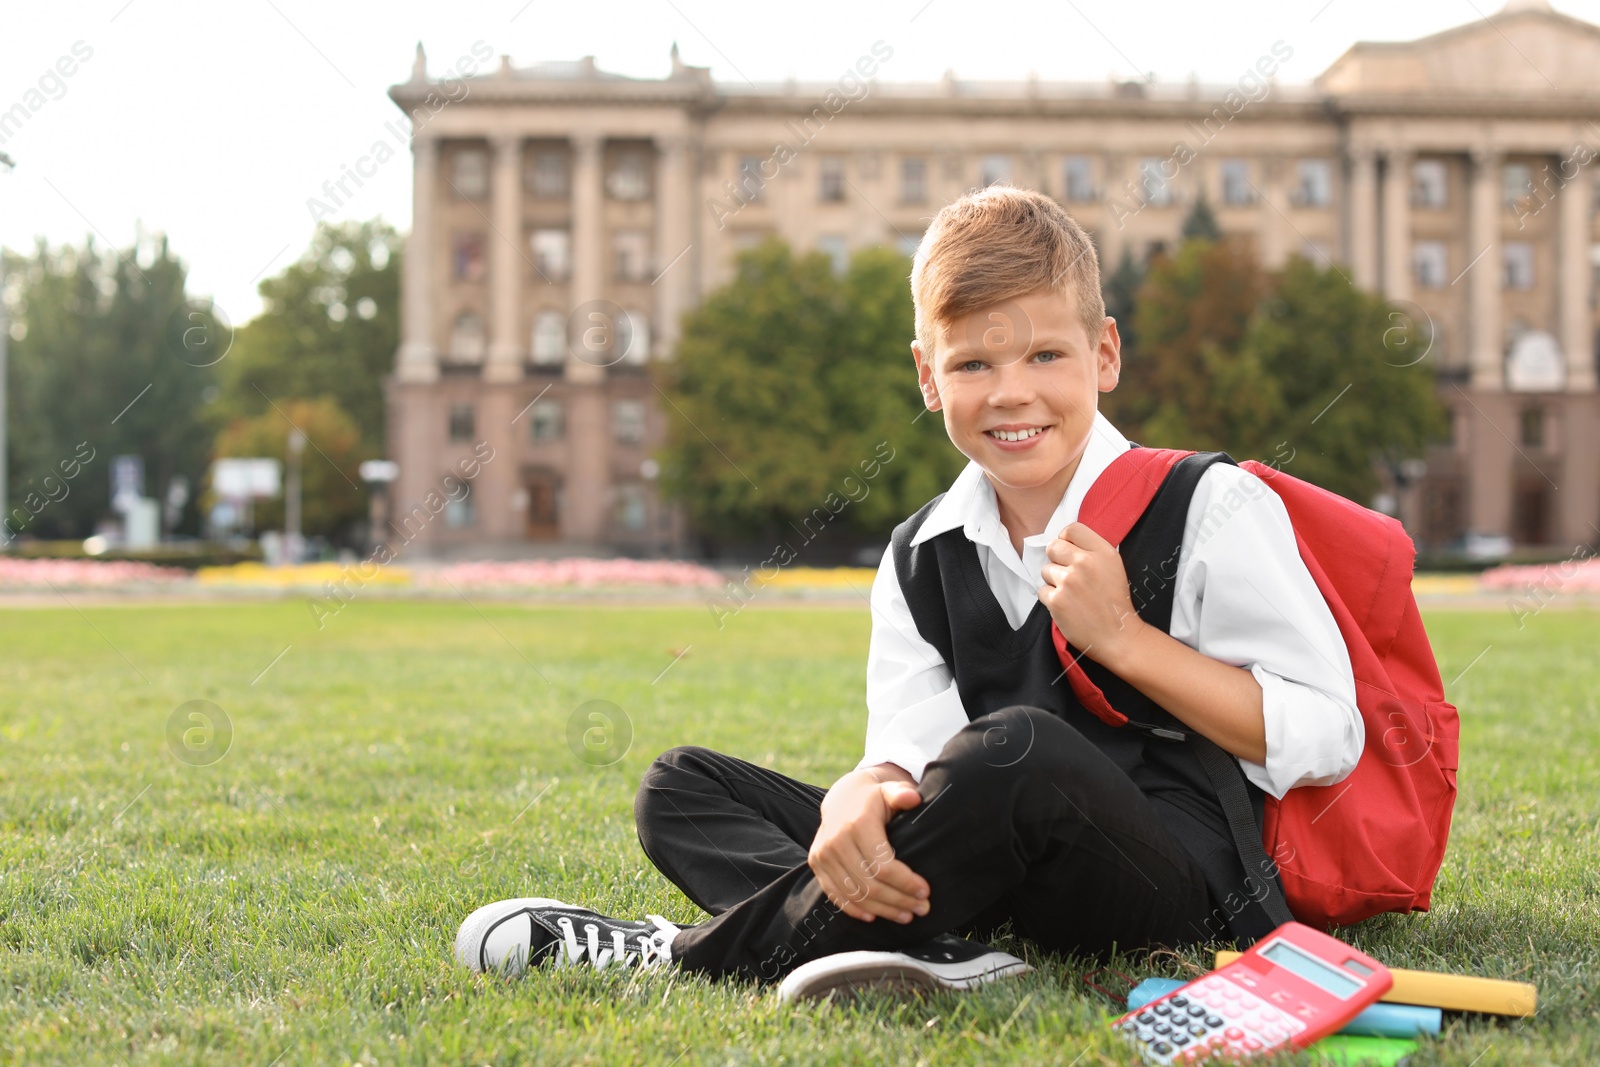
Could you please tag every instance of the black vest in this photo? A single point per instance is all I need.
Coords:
(995, 667)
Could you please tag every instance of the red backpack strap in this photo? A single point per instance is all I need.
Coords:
(1112, 506)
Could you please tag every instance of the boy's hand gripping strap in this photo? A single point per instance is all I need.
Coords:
(1114, 503)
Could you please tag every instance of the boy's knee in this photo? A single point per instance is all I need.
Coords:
(1016, 739)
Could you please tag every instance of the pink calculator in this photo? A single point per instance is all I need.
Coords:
(1292, 987)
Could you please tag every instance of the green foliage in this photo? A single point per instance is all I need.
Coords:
(785, 382)
(1123, 406)
(1232, 359)
(330, 327)
(330, 487)
(1201, 224)
(101, 369)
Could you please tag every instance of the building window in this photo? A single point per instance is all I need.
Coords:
(632, 506)
(469, 173)
(1518, 182)
(1153, 182)
(550, 338)
(1430, 183)
(459, 513)
(552, 254)
(629, 178)
(1317, 252)
(1236, 187)
(546, 420)
(1430, 264)
(994, 170)
(462, 423)
(627, 421)
(1313, 183)
(1077, 174)
(837, 248)
(634, 337)
(467, 340)
(1533, 428)
(468, 262)
(913, 181)
(830, 180)
(1518, 257)
(750, 183)
(546, 175)
(631, 254)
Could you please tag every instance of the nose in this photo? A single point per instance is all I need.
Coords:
(1011, 385)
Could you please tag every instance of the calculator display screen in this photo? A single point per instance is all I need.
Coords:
(1311, 969)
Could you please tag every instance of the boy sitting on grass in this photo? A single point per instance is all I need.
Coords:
(987, 793)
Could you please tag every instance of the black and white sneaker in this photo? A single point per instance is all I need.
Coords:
(508, 935)
(946, 962)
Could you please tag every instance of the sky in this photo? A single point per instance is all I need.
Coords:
(214, 123)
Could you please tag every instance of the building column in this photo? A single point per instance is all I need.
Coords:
(506, 258)
(418, 358)
(1363, 217)
(1275, 205)
(1397, 224)
(1576, 275)
(587, 487)
(673, 264)
(1491, 419)
(1488, 344)
(1577, 503)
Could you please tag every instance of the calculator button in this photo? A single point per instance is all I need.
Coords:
(1161, 1048)
(1251, 1044)
(1178, 1001)
(1162, 1028)
(1213, 1021)
(1197, 1030)
(1216, 1041)
(1233, 1033)
(1146, 1018)
(1180, 1039)
(1162, 1009)
(1196, 1010)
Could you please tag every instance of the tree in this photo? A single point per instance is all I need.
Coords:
(1344, 398)
(332, 499)
(1120, 288)
(330, 328)
(109, 357)
(1193, 312)
(1289, 368)
(789, 380)
(1201, 224)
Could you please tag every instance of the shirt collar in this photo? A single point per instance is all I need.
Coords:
(970, 502)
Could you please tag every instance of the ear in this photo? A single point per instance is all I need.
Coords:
(925, 380)
(1108, 357)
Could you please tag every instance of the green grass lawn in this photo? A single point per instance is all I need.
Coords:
(295, 901)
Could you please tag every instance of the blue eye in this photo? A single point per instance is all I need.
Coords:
(970, 363)
(1053, 356)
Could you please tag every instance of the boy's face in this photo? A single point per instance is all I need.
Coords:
(1021, 365)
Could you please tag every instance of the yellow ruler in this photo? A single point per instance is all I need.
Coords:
(1452, 992)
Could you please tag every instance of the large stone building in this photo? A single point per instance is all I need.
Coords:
(566, 217)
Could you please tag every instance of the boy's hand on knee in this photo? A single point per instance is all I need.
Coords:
(851, 856)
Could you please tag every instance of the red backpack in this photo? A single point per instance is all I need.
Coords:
(1374, 841)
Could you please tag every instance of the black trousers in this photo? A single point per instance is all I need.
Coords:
(1022, 818)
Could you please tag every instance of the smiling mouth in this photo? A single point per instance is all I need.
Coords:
(1016, 435)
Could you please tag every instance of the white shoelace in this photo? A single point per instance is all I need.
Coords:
(653, 949)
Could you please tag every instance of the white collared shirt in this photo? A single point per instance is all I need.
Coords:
(1243, 596)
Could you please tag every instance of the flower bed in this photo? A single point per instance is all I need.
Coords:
(1568, 576)
(78, 573)
(301, 575)
(579, 572)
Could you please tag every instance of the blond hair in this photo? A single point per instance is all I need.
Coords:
(998, 244)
